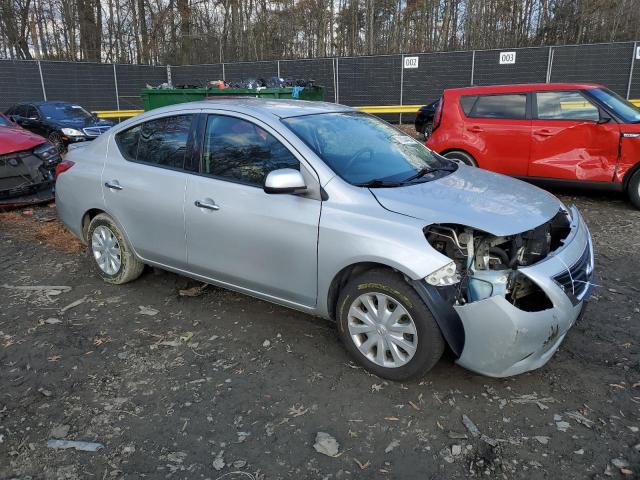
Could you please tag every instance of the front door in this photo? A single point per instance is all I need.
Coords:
(144, 183)
(238, 234)
(568, 142)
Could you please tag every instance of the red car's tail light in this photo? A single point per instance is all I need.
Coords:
(438, 115)
(63, 167)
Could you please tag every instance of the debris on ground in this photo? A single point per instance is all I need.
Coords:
(80, 301)
(326, 444)
(392, 445)
(473, 430)
(142, 310)
(82, 446)
(193, 291)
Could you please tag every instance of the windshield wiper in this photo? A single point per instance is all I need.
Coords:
(378, 183)
(426, 171)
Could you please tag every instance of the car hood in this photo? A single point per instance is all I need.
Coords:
(80, 124)
(16, 139)
(476, 198)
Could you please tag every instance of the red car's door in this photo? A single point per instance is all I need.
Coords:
(498, 132)
(567, 140)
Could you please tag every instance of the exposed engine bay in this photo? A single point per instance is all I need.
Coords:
(487, 265)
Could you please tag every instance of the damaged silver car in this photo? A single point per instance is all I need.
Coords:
(336, 213)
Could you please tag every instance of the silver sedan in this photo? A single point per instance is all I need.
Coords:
(338, 214)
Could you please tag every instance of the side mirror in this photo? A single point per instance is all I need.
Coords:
(284, 180)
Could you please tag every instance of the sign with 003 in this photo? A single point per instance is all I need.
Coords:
(410, 62)
(507, 58)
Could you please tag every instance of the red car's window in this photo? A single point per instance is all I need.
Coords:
(565, 106)
(508, 106)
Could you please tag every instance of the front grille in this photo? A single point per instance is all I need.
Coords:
(95, 131)
(576, 279)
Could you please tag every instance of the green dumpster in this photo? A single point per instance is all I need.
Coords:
(159, 97)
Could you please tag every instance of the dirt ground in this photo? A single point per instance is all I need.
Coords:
(220, 385)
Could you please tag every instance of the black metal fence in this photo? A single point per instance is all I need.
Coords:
(407, 79)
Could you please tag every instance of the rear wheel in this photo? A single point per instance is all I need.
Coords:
(461, 156)
(386, 326)
(633, 189)
(112, 256)
(427, 129)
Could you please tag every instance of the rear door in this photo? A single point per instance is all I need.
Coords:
(498, 130)
(568, 142)
(144, 182)
(237, 233)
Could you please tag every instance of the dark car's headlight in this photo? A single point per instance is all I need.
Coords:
(47, 153)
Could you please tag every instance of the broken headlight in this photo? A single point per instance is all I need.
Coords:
(446, 275)
(47, 153)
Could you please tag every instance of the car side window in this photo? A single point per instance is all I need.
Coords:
(32, 112)
(565, 106)
(467, 102)
(161, 142)
(508, 106)
(240, 151)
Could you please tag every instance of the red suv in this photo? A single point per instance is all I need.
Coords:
(555, 133)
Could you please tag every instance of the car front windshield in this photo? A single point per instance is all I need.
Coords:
(62, 111)
(364, 150)
(621, 107)
(4, 122)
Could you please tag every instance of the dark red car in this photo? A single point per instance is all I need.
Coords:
(27, 166)
(564, 134)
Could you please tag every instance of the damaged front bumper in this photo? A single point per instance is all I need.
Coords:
(502, 340)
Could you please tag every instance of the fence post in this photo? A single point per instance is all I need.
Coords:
(278, 69)
(633, 62)
(473, 65)
(336, 81)
(224, 78)
(169, 75)
(115, 82)
(549, 64)
(44, 91)
(401, 82)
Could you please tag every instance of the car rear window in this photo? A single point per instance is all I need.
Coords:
(508, 106)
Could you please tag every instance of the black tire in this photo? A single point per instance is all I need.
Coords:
(130, 266)
(430, 344)
(427, 129)
(633, 189)
(56, 139)
(461, 156)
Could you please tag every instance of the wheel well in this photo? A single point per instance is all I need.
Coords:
(86, 220)
(343, 276)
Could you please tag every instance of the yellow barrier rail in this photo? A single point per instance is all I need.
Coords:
(375, 109)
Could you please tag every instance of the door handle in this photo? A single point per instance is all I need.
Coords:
(113, 185)
(544, 133)
(474, 129)
(208, 206)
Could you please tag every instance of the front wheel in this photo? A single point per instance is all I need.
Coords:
(386, 326)
(633, 189)
(56, 139)
(113, 258)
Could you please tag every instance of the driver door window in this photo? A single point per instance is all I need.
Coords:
(240, 151)
(565, 106)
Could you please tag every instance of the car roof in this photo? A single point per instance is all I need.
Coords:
(261, 106)
(524, 87)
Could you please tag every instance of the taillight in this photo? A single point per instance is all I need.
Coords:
(438, 115)
(63, 167)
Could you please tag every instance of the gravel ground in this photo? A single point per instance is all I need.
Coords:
(220, 385)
